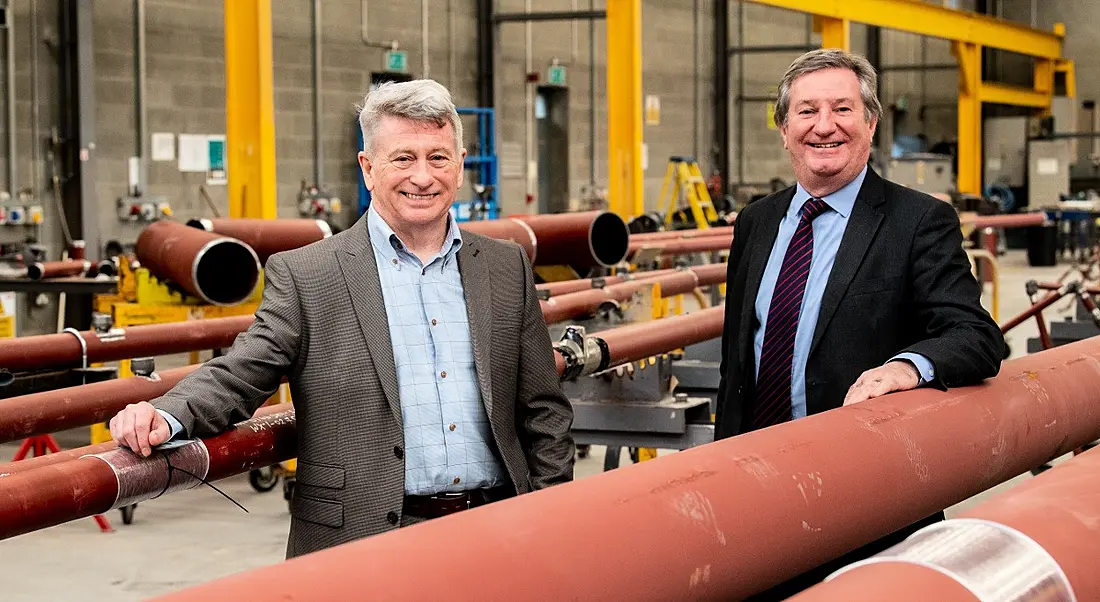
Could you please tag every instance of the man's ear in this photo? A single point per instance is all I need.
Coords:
(366, 167)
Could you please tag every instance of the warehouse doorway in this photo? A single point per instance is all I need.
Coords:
(552, 133)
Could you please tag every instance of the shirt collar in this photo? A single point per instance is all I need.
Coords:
(841, 201)
(385, 240)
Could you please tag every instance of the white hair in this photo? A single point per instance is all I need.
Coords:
(421, 100)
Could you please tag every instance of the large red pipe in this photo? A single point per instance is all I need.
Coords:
(742, 514)
(682, 234)
(563, 287)
(64, 350)
(56, 493)
(217, 269)
(684, 246)
(676, 282)
(1059, 511)
(1014, 220)
(267, 236)
(506, 229)
(57, 269)
(585, 239)
(46, 491)
(71, 407)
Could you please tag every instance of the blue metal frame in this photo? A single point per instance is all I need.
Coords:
(485, 163)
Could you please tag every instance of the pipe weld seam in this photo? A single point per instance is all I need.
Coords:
(142, 479)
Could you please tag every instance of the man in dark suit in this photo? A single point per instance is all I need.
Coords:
(421, 370)
(846, 286)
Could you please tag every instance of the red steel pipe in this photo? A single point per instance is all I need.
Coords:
(585, 239)
(57, 269)
(676, 282)
(1053, 286)
(506, 229)
(267, 236)
(1013, 220)
(743, 514)
(53, 494)
(64, 349)
(564, 287)
(1059, 510)
(217, 269)
(682, 234)
(65, 455)
(701, 244)
(71, 407)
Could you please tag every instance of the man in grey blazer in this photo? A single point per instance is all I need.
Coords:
(420, 366)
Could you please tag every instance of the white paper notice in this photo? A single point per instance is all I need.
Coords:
(194, 153)
(1046, 167)
(164, 146)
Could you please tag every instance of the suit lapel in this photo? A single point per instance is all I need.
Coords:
(360, 271)
(757, 262)
(478, 288)
(862, 226)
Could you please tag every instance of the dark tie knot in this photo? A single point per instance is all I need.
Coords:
(813, 208)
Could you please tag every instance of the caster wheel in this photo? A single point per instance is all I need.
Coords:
(263, 479)
(128, 514)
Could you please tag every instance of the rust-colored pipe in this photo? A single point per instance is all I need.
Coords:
(506, 229)
(57, 493)
(564, 287)
(1053, 286)
(682, 234)
(584, 239)
(1059, 511)
(701, 244)
(217, 269)
(57, 269)
(743, 514)
(71, 407)
(267, 236)
(1014, 220)
(64, 350)
(677, 282)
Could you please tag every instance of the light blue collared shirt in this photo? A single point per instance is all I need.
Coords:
(828, 232)
(448, 439)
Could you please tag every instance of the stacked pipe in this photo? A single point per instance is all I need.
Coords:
(585, 239)
(742, 514)
(683, 245)
(562, 287)
(42, 492)
(586, 302)
(1014, 220)
(217, 269)
(43, 270)
(1037, 541)
(267, 236)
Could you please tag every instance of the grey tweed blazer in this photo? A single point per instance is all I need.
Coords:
(323, 325)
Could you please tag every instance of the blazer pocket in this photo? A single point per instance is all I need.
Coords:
(329, 513)
(874, 285)
(320, 475)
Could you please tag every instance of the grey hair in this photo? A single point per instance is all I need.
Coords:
(422, 100)
(830, 58)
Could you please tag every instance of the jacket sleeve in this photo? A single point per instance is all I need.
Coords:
(544, 416)
(956, 333)
(229, 389)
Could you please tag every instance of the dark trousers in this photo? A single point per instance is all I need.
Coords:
(817, 575)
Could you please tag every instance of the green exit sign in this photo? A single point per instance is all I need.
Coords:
(556, 75)
(397, 61)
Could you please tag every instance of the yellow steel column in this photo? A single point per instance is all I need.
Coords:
(1066, 66)
(835, 33)
(970, 116)
(249, 109)
(624, 107)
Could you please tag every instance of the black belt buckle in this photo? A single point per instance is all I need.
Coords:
(454, 496)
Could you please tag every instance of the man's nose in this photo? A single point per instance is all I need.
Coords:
(421, 175)
(825, 123)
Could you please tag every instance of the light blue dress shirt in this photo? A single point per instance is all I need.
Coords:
(448, 439)
(828, 232)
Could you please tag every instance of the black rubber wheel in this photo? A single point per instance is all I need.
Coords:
(263, 479)
(128, 514)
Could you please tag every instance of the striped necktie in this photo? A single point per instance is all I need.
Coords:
(773, 385)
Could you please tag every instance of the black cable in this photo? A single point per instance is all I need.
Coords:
(194, 476)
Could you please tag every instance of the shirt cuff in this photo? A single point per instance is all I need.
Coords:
(925, 369)
(173, 424)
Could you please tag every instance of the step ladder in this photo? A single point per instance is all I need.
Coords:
(684, 181)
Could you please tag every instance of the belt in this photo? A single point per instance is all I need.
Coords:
(435, 506)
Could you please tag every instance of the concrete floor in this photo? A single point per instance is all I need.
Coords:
(196, 536)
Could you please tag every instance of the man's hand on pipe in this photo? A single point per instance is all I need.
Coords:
(140, 427)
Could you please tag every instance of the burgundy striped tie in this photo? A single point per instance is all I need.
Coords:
(773, 385)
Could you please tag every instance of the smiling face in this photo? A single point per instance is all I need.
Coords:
(827, 132)
(413, 173)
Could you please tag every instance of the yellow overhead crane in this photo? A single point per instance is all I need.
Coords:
(968, 33)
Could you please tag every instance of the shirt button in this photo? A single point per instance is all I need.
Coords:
(392, 517)
(452, 427)
(457, 480)
(397, 451)
(394, 261)
(434, 322)
(443, 374)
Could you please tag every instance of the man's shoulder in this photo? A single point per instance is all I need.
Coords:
(311, 254)
(495, 247)
(909, 201)
(761, 206)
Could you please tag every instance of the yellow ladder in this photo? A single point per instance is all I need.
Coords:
(683, 180)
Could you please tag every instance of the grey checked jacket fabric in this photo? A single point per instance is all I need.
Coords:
(322, 323)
